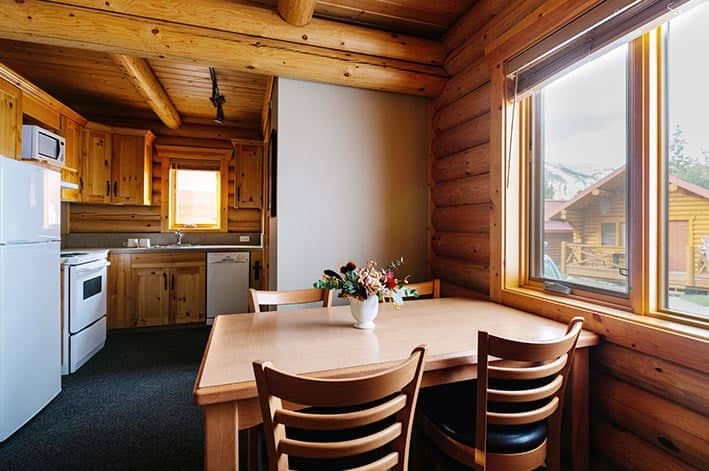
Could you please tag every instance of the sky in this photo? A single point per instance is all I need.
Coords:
(585, 109)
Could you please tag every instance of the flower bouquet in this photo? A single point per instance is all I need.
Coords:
(365, 287)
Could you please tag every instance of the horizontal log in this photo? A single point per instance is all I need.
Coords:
(49, 23)
(452, 290)
(464, 218)
(464, 136)
(465, 274)
(471, 247)
(468, 190)
(677, 430)
(676, 383)
(473, 161)
(472, 105)
(110, 218)
(481, 13)
(628, 451)
(473, 76)
(193, 142)
(237, 16)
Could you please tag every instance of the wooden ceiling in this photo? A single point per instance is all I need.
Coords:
(95, 86)
(429, 18)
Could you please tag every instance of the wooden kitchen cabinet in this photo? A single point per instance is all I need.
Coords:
(71, 130)
(10, 120)
(249, 175)
(96, 164)
(152, 291)
(169, 288)
(121, 302)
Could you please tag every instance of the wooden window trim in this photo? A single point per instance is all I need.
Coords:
(167, 154)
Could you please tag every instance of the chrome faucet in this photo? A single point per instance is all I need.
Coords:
(179, 235)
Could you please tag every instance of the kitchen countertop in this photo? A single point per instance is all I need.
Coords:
(172, 248)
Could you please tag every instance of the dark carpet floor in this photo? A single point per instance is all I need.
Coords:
(129, 408)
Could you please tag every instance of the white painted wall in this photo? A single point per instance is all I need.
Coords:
(352, 180)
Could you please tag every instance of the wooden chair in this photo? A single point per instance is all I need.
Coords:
(514, 423)
(427, 288)
(298, 296)
(362, 423)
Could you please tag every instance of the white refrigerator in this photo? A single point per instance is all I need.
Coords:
(30, 306)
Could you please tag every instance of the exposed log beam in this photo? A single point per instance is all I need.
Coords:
(265, 111)
(241, 16)
(143, 78)
(297, 12)
(52, 23)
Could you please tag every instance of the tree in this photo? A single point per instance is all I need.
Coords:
(684, 166)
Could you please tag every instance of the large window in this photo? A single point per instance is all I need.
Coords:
(686, 214)
(195, 198)
(618, 176)
(579, 153)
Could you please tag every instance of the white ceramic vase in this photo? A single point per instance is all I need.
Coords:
(365, 311)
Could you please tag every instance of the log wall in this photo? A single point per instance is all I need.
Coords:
(648, 413)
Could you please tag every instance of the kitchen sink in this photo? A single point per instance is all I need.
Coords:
(173, 246)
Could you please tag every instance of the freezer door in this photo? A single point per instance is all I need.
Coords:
(30, 333)
(30, 203)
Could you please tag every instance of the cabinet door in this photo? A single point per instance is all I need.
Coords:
(70, 173)
(127, 169)
(10, 120)
(249, 176)
(188, 294)
(152, 296)
(121, 309)
(96, 166)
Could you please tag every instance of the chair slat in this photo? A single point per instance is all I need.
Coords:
(533, 351)
(310, 421)
(523, 418)
(341, 392)
(526, 395)
(427, 288)
(528, 372)
(382, 464)
(298, 296)
(325, 450)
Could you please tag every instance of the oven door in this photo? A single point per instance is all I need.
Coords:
(87, 299)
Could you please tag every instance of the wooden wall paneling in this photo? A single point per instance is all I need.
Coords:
(460, 272)
(472, 105)
(463, 218)
(472, 247)
(473, 76)
(467, 190)
(74, 26)
(244, 17)
(10, 120)
(467, 163)
(628, 451)
(471, 133)
(453, 290)
(482, 12)
(668, 426)
(676, 383)
(110, 218)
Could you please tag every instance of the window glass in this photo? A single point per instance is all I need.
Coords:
(195, 197)
(687, 160)
(580, 123)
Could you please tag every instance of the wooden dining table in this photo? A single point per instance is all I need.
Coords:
(322, 342)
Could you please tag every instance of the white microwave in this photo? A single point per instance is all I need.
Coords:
(40, 144)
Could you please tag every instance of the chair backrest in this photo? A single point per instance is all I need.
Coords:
(363, 403)
(298, 296)
(534, 373)
(427, 288)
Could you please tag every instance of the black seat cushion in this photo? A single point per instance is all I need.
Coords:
(452, 408)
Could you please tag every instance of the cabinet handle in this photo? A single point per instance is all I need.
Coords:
(108, 188)
(238, 194)
(81, 184)
(172, 282)
(164, 281)
(115, 188)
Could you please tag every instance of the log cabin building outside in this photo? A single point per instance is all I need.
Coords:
(437, 104)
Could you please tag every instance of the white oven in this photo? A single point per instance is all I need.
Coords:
(85, 297)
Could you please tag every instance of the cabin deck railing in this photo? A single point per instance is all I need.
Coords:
(609, 263)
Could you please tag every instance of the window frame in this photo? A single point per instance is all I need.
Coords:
(172, 216)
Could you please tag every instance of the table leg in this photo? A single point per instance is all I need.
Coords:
(221, 437)
(576, 410)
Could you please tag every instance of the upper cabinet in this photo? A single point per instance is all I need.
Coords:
(10, 120)
(249, 175)
(117, 165)
(71, 130)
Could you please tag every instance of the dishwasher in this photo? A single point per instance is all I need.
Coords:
(227, 283)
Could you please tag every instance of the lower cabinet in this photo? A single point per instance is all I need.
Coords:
(163, 289)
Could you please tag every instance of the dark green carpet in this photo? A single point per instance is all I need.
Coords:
(130, 407)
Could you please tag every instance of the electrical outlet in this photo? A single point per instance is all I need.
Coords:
(244, 238)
